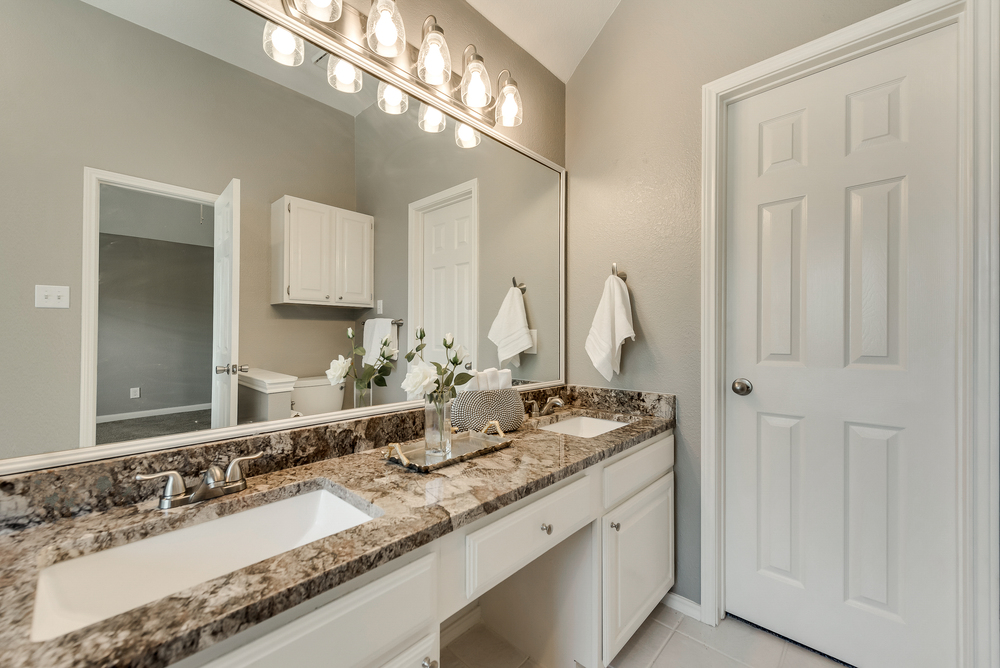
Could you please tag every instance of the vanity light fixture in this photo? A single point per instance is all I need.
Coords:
(391, 100)
(433, 59)
(385, 31)
(476, 89)
(466, 136)
(283, 46)
(342, 75)
(508, 104)
(431, 119)
(327, 11)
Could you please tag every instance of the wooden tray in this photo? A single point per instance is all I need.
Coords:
(464, 446)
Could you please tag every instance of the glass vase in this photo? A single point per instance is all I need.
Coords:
(437, 424)
(363, 398)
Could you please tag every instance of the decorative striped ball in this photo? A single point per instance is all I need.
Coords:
(473, 410)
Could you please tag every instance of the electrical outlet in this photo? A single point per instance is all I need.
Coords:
(133, 393)
(51, 296)
(378, 307)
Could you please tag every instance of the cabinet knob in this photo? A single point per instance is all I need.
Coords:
(547, 528)
(328, 296)
(616, 526)
(337, 297)
(428, 663)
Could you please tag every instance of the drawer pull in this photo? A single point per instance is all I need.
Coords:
(428, 663)
(547, 528)
(616, 526)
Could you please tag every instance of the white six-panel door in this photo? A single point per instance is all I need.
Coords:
(841, 310)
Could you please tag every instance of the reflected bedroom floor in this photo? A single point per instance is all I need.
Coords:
(152, 426)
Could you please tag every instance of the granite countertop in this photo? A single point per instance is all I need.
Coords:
(416, 509)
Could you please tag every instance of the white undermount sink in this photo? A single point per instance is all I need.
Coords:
(584, 427)
(76, 593)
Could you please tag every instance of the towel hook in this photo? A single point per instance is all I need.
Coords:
(520, 286)
(620, 274)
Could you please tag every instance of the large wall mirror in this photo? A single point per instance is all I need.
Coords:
(191, 229)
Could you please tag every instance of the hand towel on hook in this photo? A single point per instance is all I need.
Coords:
(612, 325)
(510, 329)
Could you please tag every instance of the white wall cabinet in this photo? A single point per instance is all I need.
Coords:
(321, 255)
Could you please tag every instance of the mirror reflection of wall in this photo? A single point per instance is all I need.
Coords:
(149, 90)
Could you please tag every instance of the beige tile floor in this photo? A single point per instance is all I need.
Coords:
(667, 639)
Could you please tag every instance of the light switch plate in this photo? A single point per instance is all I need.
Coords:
(51, 296)
(133, 393)
(378, 307)
(533, 350)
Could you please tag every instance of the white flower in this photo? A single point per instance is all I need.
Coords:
(385, 342)
(448, 340)
(350, 332)
(338, 370)
(460, 354)
(421, 379)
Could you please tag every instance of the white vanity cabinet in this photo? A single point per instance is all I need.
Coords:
(321, 255)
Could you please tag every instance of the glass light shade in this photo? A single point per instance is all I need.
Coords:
(391, 100)
(508, 111)
(385, 32)
(283, 46)
(430, 119)
(342, 75)
(326, 11)
(434, 59)
(476, 88)
(466, 136)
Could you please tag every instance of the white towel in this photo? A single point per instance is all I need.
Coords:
(505, 379)
(510, 329)
(612, 325)
(377, 329)
(492, 378)
(472, 384)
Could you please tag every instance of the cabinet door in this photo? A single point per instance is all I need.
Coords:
(311, 238)
(425, 654)
(355, 258)
(638, 568)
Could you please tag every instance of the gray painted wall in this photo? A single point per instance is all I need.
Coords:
(518, 228)
(154, 327)
(88, 89)
(633, 138)
(134, 213)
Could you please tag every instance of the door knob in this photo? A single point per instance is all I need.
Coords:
(222, 369)
(742, 387)
(244, 368)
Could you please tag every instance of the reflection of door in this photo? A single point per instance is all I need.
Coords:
(842, 280)
(444, 282)
(226, 305)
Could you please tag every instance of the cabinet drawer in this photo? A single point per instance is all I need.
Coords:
(360, 630)
(424, 653)
(627, 476)
(502, 548)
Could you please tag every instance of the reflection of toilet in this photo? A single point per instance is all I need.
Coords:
(315, 395)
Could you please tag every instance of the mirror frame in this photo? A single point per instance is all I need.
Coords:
(385, 70)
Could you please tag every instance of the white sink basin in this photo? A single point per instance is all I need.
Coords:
(76, 593)
(585, 427)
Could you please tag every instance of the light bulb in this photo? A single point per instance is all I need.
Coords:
(322, 4)
(433, 117)
(283, 41)
(434, 64)
(385, 29)
(477, 91)
(345, 73)
(509, 109)
(465, 133)
(392, 96)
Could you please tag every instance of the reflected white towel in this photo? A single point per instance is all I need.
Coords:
(510, 329)
(376, 329)
(612, 325)
(505, 379)
(492, 378)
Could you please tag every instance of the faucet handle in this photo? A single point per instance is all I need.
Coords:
(175, 483)
(234, 473)
(214, 475)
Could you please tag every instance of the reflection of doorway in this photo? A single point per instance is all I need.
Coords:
(443, 269)
(161, 274)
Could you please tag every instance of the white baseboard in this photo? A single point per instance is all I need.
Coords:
(682, 605)
(151, 413)
(461, 625)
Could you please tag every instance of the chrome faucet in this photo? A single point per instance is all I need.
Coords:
(214, 483)
(552, 404)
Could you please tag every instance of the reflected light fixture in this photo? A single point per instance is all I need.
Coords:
(508, 104)
(327, 11)
(466, 136)
(283, 46)
(385, 32)
(433, 59)
(342, 75)
(430, 119)
(391, 100)
(476, 89)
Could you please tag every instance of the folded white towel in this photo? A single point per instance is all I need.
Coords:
(377, 329)
(492, 378)
(472, 385)
(505, 379)
(612, 325)
(510, 329)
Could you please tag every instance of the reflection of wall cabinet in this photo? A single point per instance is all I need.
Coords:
(321, 254)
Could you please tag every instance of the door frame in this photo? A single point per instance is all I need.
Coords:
(978, 357)
(93, 179)
(415, 244)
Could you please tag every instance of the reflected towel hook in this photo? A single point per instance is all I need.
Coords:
(520, 286)
(620, 274)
